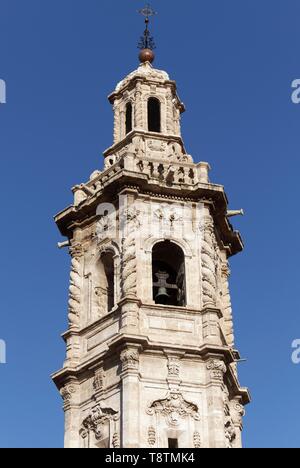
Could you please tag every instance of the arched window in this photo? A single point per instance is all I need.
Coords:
(105, 284)
(128, 118)
(168, 271)
(154, 118)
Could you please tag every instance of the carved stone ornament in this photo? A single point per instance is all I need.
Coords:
(217, 369)
(129, 261)
(197, 440)
(75, 289)
(174, 408)
(98, 418)
(209, 265)
(173, 366)
(151, 436)
(230, 432)
(67, 392)
(116, 441)
(238, 412)
(130, 359)
(98, 382)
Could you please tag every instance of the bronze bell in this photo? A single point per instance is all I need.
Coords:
(162, 296)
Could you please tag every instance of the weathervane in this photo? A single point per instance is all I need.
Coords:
(147, 44)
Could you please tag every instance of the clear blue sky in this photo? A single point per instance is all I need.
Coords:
(234, 62)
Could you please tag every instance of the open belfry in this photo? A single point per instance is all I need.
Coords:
(151, 360)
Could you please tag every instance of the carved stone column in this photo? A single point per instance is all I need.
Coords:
(117, 123)
(237, 412)
(139, 111)
(75, 290)
(211, 326)
(208, 260)
(169, 112)
(216, 370)
(71, 396)
(130, 397)
(226, 305)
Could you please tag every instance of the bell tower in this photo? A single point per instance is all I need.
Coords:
(151, 358)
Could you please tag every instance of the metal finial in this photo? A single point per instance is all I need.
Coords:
(147, 41)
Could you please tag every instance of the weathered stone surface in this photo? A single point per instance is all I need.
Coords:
(166, 367)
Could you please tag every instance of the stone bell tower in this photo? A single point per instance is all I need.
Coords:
(151, 360)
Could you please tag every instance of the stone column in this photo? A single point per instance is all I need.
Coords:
(216, 369)
(139, 111)
(237, 412)
(211, 326)
(169, 113)
(71, 396)
(130, 423)
(117, 123)
(226, 305)
(208, 261)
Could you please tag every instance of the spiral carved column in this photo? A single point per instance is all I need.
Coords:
(208, 258)
(75, 290)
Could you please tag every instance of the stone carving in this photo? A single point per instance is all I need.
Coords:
(209, 280)
(169, 112)
(144, 70)
(238, 412)
(105, 227)
(67, 393)
(101, 300)
(97, 419)
(129, 261)
(156, 145)
(117, 123)
(98, 382)
(217, 369)
(75, 287)
(151, 436)
(174, 408)
(130, 359)
(173, 366)
(197, 440)
(116, 441)
(230, 433)
(226, 305)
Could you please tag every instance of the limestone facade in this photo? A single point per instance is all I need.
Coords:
(151, 359)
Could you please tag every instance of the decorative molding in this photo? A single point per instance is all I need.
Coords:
(217, 369)
(67, 393)
(130, 359)
(237, 412)
(174, 408)
(97, 419)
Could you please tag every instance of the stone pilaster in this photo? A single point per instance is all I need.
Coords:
(130, 419)
(216, 370)
(70, 393)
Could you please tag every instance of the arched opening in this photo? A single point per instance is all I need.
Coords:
(128, 118)
(154, 118)
(105, 284)
(168, 274)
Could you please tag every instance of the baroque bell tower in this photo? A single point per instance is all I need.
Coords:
(151, 359)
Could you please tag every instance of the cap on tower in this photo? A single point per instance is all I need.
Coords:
(147, 44)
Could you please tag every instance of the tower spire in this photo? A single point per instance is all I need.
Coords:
(147, 44)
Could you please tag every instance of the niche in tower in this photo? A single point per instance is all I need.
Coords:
(105, 283)
(154, 115)
(168, 274)
(128, 122)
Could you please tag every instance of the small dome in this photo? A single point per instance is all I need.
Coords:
(146, 55)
